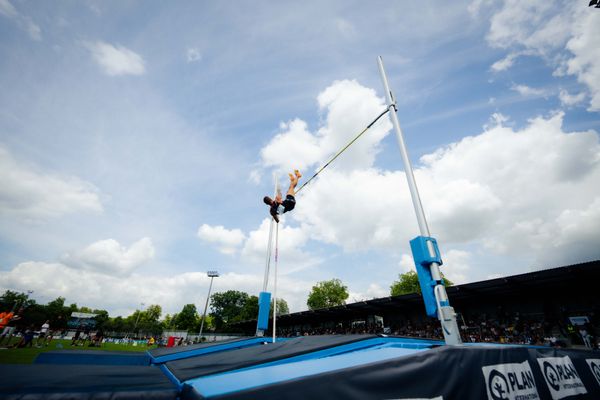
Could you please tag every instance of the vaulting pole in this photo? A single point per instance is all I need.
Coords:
(425, 251)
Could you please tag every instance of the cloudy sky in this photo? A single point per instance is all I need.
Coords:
(137, 140)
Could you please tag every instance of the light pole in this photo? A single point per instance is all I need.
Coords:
(211, 275)
(138, 317)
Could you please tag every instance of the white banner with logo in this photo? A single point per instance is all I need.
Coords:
(594, 364)
(561, 377)
(512, 381)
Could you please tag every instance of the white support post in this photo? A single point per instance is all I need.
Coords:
(260, 332)
(446, 314)
(269, 244)
(275, 284)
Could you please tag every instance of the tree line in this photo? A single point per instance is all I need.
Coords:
(226, 309)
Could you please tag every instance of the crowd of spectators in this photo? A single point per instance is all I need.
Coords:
(508, 330)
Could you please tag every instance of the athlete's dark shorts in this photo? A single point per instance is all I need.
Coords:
(289, 203)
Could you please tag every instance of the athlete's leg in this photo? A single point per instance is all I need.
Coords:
(293, 182)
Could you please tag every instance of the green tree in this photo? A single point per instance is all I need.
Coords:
(101, 318)
(187, 318)
(149, 320)
(167, 323)
(15, 300)
(227, 307)
(116, 324)
(282, 308)
(58, 313)
(249, 310)
(72, 308)
(327, 294)
(409, 283)
(152, 313)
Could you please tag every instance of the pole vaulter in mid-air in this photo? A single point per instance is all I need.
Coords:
(279, 206)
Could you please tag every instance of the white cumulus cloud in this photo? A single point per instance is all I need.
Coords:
(29, 194)
(503, 190)
(290, 247)
(374, 291)
(505, 63)
(122, 295)
(116, 60)
(568, 99)
(585, 63)
(227, 241)
(537, 25)
(528, 91)
(565, 34)
(111, 258)
(193, 54)
(348, 108)
(23, 21)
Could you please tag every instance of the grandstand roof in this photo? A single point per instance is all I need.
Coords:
(577, 277)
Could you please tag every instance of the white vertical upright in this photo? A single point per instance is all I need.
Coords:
(275, 283)
(446, 314)
(269, 244)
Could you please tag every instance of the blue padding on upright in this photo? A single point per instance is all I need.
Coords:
(232, 345)
(264, 306)
(92, 357)
(423, 261)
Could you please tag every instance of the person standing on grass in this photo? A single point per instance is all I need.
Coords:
(7, 324)
(76, 336)
(43, 333)
(26, 339)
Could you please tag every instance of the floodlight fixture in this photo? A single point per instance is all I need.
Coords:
(212, 274)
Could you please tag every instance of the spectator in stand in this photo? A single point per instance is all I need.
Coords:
(43, 333)
(585, 336)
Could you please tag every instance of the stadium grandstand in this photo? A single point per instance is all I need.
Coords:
(532, 308)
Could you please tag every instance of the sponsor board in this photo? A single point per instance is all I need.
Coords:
(561, 377)
(594, 364)
(512, 381)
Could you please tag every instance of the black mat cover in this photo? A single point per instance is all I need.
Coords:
(163, 351)
(208, 364)
(452, 373)
(82, 382)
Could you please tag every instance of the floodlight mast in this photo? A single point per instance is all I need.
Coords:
(211, 275)
(445, 313)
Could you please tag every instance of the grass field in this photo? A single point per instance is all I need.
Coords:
(27, 355)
